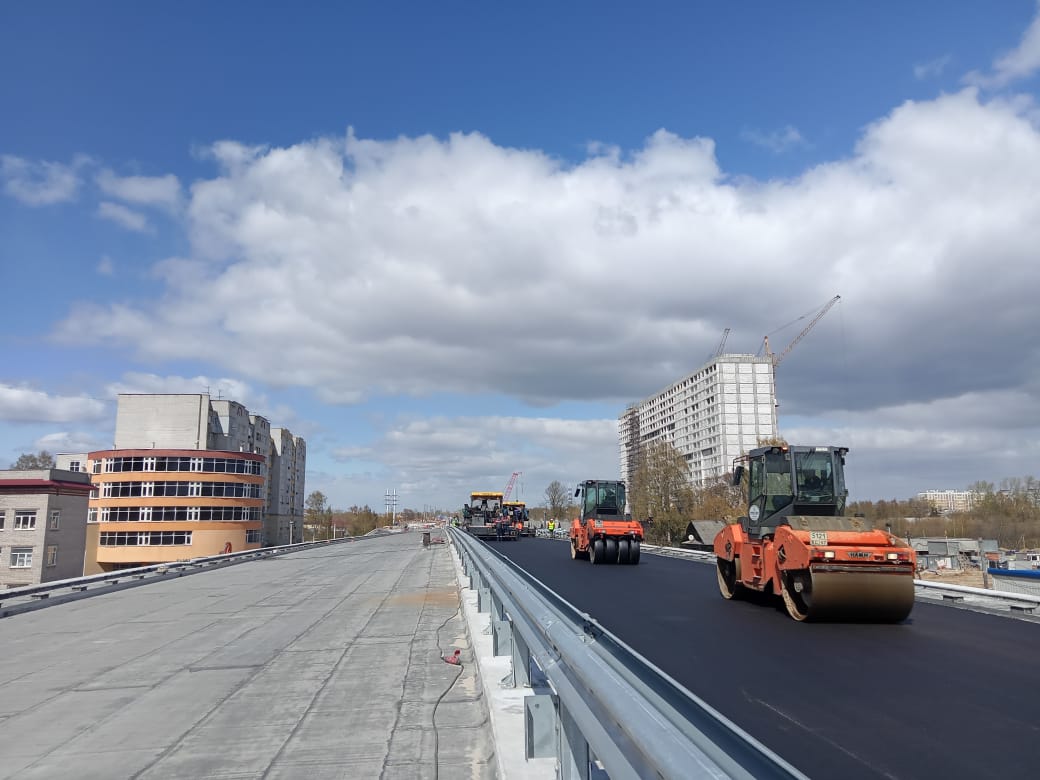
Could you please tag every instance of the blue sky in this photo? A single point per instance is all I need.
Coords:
(378, 225)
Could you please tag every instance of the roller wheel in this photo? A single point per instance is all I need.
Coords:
(576, 554)
(596, 552)
(729, 578)
(624, 551)
(610, 549)
(797, 593)
(633, 554)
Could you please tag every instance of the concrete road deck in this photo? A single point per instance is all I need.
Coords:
(323, 663)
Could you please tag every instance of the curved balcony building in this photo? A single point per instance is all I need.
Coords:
(162, 505)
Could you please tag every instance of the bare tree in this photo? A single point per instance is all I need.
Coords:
(558, 500)
(661, 491)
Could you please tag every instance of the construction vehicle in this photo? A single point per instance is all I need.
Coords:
(484, 517)
(517, 513)
(603, 532)
(796, 543)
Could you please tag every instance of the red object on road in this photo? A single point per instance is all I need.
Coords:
(453, 658)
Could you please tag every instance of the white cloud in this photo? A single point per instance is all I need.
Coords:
(777, 141)
(932, 68)
(105, 266)
(121, 215)
(223, 387)
(1019, 63)
(70, 441)
(442, 459)
(420, 266)
(24, 404)
(160, 191)
(40, 183)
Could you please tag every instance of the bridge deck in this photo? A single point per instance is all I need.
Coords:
(321, 663)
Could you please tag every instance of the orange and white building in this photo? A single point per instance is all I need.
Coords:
(189, 477)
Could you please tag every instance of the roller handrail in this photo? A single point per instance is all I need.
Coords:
(638, 721)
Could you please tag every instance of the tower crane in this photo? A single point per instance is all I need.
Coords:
(509, 487)
(775, 359)
(722, 344)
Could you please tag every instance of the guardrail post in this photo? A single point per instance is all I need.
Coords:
(483, 597)
(521, 663)
(501, 636)
(572, 753)
(539, 726)
(497, 611)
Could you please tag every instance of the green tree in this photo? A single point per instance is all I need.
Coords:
(27, 461)
(360, 520)
(661, 492)
(318, 514)
(558, 501)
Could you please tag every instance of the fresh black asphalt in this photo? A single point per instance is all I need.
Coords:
(949, 693)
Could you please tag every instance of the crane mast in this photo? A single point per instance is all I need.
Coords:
(509, 487)
(722, 344)
(776, 358)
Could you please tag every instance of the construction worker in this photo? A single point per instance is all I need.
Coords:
(552, 525)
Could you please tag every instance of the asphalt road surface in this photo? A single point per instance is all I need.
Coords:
(949, 693)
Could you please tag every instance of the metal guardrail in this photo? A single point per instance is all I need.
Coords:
(940, 593)
(611, 704)
(31, 597)
(1020, 603)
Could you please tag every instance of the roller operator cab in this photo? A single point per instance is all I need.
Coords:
(603, 532)
(796, 543)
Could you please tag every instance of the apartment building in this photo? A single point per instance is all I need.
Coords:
(711, 416)
(285, 499)
(188, 476)
(43, 520)
(950, 500)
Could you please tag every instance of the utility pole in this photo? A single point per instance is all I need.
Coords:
(391, 505)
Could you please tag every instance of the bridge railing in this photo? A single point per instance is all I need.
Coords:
(609, 704)
(938, 592)
(29, 597)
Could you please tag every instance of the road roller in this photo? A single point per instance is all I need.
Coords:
(796, 543)
(604, 532)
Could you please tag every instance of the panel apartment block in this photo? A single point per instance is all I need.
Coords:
(711, 416)
(43, 525)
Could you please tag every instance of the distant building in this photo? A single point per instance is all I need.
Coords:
(285, 499)
(950, 500)
(43, 521)
(189, 476)
(712, 416)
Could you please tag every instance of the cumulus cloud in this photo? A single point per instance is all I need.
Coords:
(223, 387)
(777, 141)
(123, 216)
(422, 265)
(25, 404)
(159, 191)
(1021, 62)
(442, 459)
(418, 266)
(40, 183)
(70, 441)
